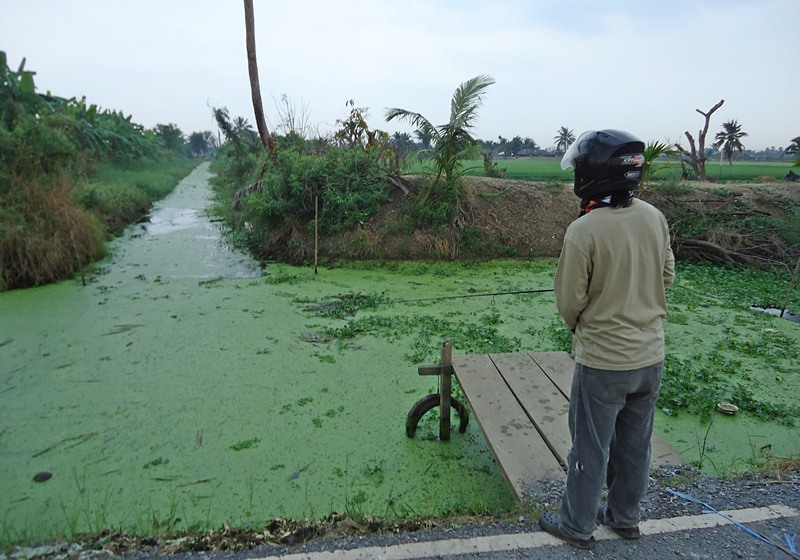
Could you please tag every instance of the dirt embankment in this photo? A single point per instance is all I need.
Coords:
(750, 223)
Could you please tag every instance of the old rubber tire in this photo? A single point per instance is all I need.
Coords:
(431, 401)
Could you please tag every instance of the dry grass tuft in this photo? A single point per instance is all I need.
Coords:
(45, 236)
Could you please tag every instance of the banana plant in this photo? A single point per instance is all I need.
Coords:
(17, 92)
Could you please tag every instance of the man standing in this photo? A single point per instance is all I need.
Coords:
(614, 265)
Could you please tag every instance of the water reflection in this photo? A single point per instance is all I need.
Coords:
(179, 240)
(168, 220)
(777, 312)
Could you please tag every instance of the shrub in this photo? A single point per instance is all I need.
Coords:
(346, 183)
(33, 147)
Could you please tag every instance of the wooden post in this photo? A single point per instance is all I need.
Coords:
(791, 286)
(445, 386)
(316, 231)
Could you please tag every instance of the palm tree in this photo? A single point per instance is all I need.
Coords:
(255, 89)
(730, 139)
(563, 139)
(424, 138)
(451, 142)
(530, 144)
(241, 125)
(402, 142)
(243, 129)
(223, 118)
(202, 143)
(794, 148)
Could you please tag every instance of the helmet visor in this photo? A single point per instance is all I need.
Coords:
(574, 150)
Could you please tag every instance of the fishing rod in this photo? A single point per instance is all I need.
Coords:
(476, 295)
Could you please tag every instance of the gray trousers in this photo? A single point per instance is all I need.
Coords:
(610, 421)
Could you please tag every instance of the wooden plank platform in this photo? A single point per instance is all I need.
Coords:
(518, 447)
(521, 404)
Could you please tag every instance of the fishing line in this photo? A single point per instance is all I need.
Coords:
(475, 295)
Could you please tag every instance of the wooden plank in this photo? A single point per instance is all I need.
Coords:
(522, 455)
(542, 401)
(559, 367)
(434, 370)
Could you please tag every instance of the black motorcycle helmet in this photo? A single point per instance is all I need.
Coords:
(605, 161)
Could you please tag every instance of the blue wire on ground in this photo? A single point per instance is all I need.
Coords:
(789, 540)
(709, 509)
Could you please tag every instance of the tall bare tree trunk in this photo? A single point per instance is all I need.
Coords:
(697, 154)
(255, 89)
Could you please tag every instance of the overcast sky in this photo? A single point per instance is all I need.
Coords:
(637, 65)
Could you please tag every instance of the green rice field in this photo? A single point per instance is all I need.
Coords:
(549, 169)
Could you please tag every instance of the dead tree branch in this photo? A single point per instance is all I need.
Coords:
(697, 152)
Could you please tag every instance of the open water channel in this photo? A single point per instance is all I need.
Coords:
(185, 387)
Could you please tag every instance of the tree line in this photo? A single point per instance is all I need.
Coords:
(727, 143)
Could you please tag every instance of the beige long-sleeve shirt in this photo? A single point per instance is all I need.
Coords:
(609, 285)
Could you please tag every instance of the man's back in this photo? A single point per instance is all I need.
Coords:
(610, 285)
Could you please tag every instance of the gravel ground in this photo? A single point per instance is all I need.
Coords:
(720, 543)
(723, 543)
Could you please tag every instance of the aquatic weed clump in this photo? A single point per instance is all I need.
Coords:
(737, 286)
(691, 385)
(426, 333)
(341, 306)
(732, 371)
(781, 413)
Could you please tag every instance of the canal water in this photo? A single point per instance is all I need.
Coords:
(185, 386)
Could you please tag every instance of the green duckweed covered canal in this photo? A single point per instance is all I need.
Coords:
(183, 387)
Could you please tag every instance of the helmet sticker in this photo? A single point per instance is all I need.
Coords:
(635, 160)
(633, 175)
